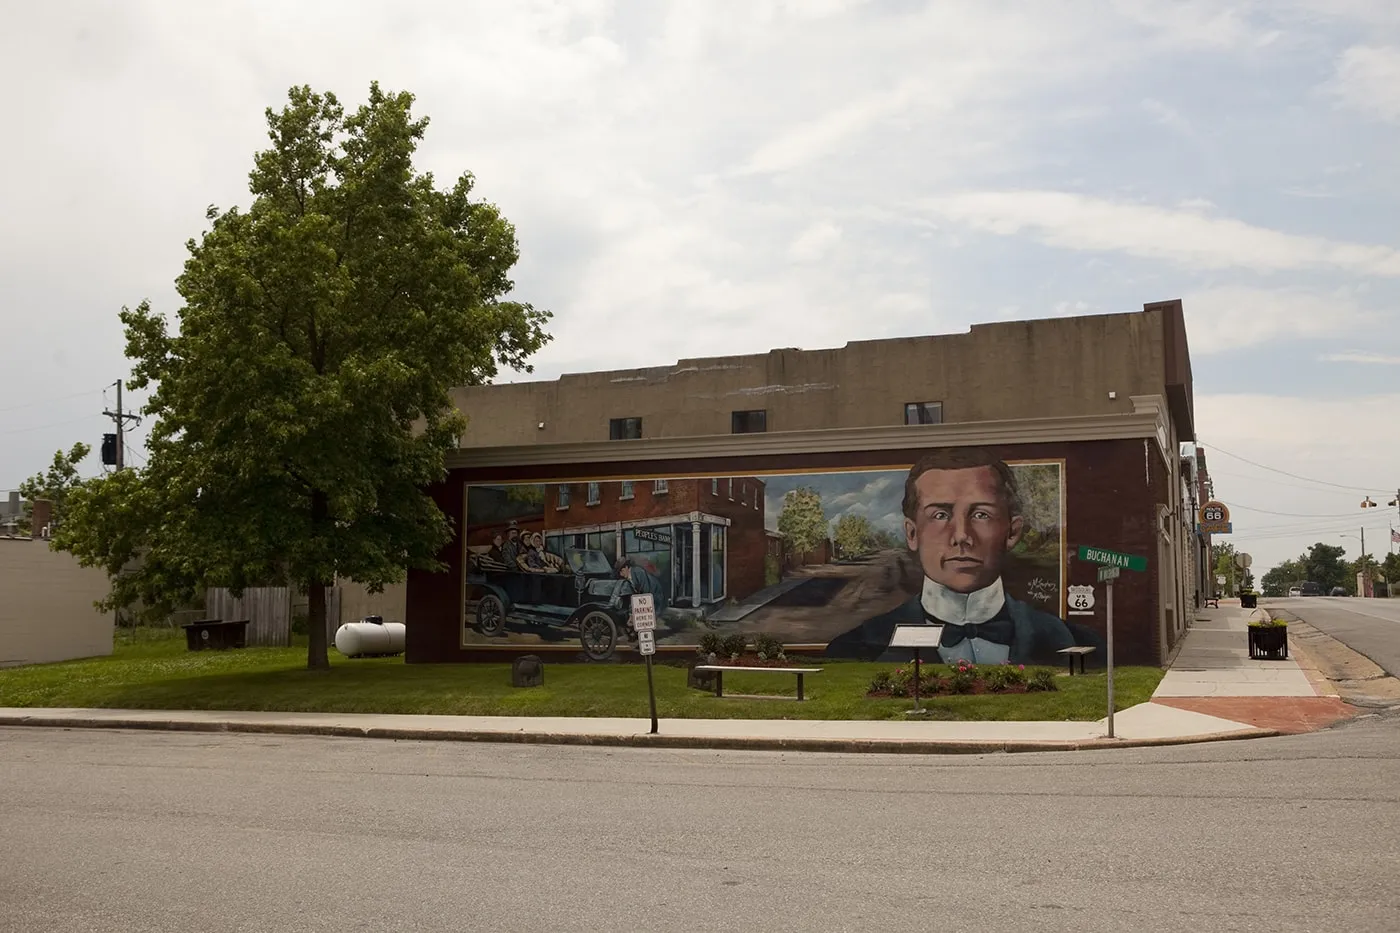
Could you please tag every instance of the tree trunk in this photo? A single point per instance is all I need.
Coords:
(317, 654)
(317, 657)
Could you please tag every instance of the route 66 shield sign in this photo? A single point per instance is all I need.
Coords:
(1081, 600)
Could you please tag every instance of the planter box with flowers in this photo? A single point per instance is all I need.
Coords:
(1268, 641)
(962, 678)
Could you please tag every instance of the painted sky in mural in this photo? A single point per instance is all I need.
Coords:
(807, 558)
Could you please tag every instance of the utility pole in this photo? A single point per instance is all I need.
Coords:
(121, 418)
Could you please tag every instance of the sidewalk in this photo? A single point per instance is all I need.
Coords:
(1213, 674)
(1141, 725)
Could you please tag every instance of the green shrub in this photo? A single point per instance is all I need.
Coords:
(1004, 677)
(731, 646)
(767, 646)
(710, 644)
(1269, 623)
(962, 676)
(880, 682)
(1042, 679)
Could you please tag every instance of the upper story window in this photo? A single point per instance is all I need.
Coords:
(714, 486)
(595, 493)
(562, 496)
(731, 487)
(923, 413)
(627, 492)
(660, 487)
(748, 422)
(625, 429)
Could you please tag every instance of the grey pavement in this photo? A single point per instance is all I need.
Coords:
(1214, 661)
(154, 832)
(1368, 626)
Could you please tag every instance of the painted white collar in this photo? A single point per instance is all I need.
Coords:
(962, 608)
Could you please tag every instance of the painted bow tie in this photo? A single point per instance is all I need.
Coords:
(1000, 631)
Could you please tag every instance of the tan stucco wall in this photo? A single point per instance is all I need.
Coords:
(1021, 369)
(46, 611)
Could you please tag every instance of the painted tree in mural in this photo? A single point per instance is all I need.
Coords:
(1039, 488)
(802, 521)
(854, 536)
(303, 405)
(54, 484)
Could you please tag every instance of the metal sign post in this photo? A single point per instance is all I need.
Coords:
(1107, 575)
(916, 637)
(644, 622)
(1111, 564)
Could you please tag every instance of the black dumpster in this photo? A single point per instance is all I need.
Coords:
(216, 634)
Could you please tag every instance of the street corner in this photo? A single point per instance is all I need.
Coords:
(1287, 714)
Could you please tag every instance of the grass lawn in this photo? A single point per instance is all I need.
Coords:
(151, 669)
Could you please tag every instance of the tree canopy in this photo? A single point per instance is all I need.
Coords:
(302, 408)
(54, 485)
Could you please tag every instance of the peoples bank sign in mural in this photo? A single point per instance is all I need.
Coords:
(830, 559)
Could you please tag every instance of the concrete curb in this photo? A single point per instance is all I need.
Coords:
(731, 743)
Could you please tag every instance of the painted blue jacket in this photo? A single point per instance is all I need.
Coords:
(1038, 635)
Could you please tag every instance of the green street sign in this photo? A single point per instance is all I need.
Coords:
(1098, 555)
(1108, 573)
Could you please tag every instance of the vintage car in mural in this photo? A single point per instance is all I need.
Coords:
(581, 598)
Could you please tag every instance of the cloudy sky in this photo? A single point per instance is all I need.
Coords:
(695, 178)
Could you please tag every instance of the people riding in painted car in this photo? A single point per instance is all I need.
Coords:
(962, 517)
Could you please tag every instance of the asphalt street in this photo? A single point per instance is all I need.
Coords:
(147, 831)
(1368, 626)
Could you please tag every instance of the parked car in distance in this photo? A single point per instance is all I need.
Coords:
(1312, 589)
(1338, 591)
(1295, 591)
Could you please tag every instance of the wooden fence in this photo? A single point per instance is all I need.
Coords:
(269, 611)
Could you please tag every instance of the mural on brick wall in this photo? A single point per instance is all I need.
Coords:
(831, 559)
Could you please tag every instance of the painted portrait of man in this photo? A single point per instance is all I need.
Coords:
(962, 517)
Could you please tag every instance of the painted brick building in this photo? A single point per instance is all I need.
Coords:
(1092, 416)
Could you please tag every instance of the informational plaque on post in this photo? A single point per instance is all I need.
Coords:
(916, 636)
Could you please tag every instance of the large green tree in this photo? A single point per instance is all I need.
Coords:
(303, 406)
(1323, 565)
(1279, 579)
(54, 485)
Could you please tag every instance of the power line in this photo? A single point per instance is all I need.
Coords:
(56, 424)
(1306, 479)
(1250, 508)
(47, 401)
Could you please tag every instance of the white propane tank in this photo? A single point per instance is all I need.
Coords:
(370, 636)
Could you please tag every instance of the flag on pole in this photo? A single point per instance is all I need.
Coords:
(1394, 536)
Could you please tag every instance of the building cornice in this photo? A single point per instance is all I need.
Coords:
(1145, 422)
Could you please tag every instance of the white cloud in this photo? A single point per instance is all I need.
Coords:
(814, 242)
(1367, 80)
(1361, 356)
(1230, 317)
(1184, 237)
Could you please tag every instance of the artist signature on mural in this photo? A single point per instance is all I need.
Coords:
(1040, 590)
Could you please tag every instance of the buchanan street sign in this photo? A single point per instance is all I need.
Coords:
(1098, 555)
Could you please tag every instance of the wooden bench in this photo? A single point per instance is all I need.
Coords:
(1080, 651)
(719, 669)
